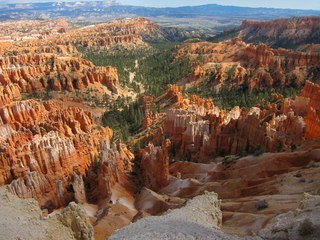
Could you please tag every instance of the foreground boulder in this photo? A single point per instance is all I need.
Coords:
(18, 215)
(199, 219)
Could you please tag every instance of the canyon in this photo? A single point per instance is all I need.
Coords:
(244, 172)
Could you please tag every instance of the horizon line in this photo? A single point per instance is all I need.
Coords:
(158, 7)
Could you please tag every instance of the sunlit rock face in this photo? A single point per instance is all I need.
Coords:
(155, 165)
(45, 71)
(50, 61)
(234, 64)
(45, 145)
(202, 131)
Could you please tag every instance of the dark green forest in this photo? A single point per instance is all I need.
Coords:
(125, 122)
(156, 67)
(228, 98)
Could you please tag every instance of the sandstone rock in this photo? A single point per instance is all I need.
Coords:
(234, 64)
(307, 105)
(199, 219)
(152, 203)
(75, 217)
(52, 72)
(285, 33)
(299, 224)
(155, 165)
(79, 189)
(115, 162)
(198, 133)
(42, 145)
(22, 219)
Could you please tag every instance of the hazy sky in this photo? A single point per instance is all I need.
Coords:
(297, 4)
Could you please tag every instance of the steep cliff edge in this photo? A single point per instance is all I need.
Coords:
(285, 32)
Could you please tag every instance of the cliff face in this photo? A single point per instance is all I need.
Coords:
(284, 33)
(311, 95)
(200, 131)
(47, 149)
(38, 72)
(9, 93)
(115, 162)
(234, 63)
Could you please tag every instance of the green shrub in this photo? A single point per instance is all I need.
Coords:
(261, 205)
(258, 151)
(96, 164)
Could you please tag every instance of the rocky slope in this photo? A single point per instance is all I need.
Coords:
(236, 64)
(18, 215)
(199, 219)
(285, 33)
(301, 223)
(253, 189)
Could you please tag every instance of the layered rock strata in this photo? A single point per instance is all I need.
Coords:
(44, 71)
(234, 63)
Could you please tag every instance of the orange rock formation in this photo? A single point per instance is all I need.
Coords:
(234, 63)
(40, 72)
(155, 165)
(43, 145)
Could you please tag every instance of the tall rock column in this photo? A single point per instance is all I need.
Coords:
(155, 165)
